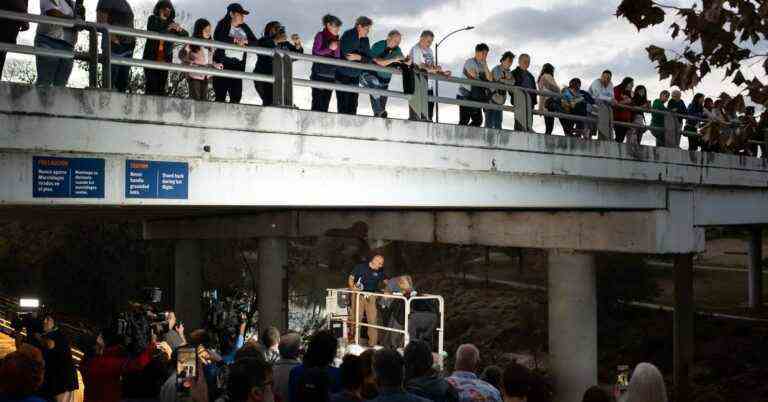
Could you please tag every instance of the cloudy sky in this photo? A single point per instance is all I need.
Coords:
(579, 37)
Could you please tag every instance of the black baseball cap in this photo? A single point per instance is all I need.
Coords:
(237, 8)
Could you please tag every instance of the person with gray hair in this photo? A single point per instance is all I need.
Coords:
(355, 47)
(385, 53)
(289, 347)
(646, 385)
(464, 378)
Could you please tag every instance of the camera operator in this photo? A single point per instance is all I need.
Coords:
(60, 376)
(175, 335)
(274, 38)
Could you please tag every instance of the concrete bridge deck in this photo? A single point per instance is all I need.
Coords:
(240, 157)
(196, 170)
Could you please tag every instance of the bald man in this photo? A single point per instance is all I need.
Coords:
(464, 378)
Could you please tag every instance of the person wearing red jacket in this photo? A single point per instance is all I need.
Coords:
(623, 96)
(103, 373)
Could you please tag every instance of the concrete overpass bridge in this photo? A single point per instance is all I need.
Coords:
(198, 170)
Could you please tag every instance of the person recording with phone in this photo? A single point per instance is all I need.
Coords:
(162, 21)
(175, 336)
(274, 38)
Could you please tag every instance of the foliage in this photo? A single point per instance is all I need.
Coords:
(716, 34)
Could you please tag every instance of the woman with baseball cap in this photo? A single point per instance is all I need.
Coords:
(232, 29)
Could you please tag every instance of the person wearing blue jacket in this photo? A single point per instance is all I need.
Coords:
(354, 47)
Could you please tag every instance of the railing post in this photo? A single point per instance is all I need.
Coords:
(106, 59)
(282, 70)
(93, 57)
(523, 110)
(418, 103)
(671, 131)
(605, 122)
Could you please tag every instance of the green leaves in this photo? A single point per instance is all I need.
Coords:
(641, 13)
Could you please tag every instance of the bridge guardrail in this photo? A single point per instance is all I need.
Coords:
(283, 80)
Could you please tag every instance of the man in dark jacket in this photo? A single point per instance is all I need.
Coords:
(354, 47)
(161, 21)
(274, 38)
(421, 379)
(9, 30)
(60, 376)
(524, 78)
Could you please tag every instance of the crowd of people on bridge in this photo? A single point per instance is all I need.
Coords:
(710, 125)
(276, 368)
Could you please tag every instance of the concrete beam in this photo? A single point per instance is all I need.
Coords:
(730, 207)
(632, 232)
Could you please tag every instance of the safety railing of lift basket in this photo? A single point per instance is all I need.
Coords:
(356, 294)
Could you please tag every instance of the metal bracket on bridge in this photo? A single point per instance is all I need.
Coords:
(282, 69)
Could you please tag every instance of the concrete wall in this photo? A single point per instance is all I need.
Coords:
(272, 157)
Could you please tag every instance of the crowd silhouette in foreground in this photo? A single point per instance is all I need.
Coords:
(273, 367)
(713, 126)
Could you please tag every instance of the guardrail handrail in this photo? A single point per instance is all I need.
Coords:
(283, 80)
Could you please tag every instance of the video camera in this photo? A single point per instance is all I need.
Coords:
(142, 319)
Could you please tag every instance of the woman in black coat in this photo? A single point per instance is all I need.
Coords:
(162, 21)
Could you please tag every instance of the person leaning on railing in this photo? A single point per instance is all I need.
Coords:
(199, 56)
(547, 83)
(274, 38)
(524, 79)
(623, 96)
(326, 44)
(232, 29)
(695, 109)
(162, 21)
(475, 68)
(355, 47)
(9, 30)
(657, 119)
(385, 53)
(118, 13)
(639, 100)
(578, 103)
(501, 74)
(56, 70)
(422, 57)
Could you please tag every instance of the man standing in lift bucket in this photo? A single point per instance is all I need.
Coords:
(367, 277)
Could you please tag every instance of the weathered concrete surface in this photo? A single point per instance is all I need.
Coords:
(273, 297)
(272, 157)
(652, 232)
(572, 287)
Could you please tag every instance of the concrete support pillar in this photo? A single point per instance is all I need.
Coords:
(572, 323)
(755, 282)
(683, 332)
(188, 283)
(273, 292)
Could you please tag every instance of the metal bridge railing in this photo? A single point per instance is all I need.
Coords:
(283, 80)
